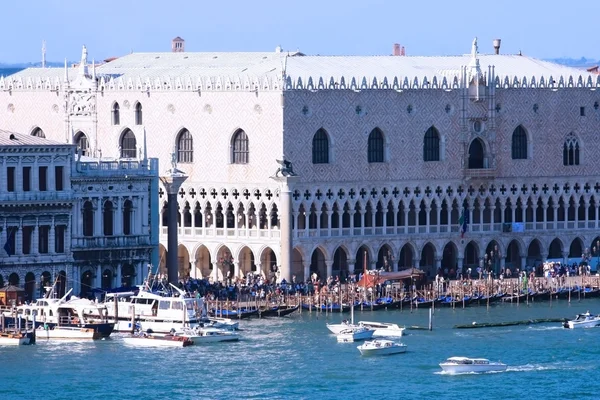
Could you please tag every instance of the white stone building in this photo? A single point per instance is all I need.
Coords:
(83, 222)
(389, 152)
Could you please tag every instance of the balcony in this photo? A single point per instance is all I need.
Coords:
(480, 173)
(37, 196)
(111, 242)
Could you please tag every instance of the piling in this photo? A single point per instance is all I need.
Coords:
(430, 320)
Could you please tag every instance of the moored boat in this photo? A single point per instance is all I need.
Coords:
(66, 333)
(207, 335)
(461, 365)
(354, 333)
(383, 329)
(586, 320)
(381, 347)
(147, 340)
(14, 338)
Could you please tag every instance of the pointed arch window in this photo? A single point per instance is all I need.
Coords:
(571, 150)
(320, 150)
(138, 114)
(431, 145)
(116, 114)
(375, 151)
(38, 132)
(519, 143)
(128, 145)
(185, 147)
(240, 148)
(82, 143)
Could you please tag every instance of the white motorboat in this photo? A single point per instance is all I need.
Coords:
(51, 312)
(383, 329)
(381, 347)
(146, 340)
(461, 365)
(66, 333)
(354, 333)
(13, 339)
(159, 312)
(220, 323)
(207, 335)
(586, 320)
(337, 328)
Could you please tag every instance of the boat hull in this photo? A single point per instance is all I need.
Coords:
(13, 340)
(382, 351)
(67, 333)
(153, 341)
(585, 324)
(477, 369)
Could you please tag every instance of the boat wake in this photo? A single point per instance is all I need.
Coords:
(546, 367)
(546, 328)
(468, 373)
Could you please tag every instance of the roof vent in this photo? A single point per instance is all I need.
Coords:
(12, 137)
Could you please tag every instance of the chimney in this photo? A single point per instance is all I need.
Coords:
(497, 46)
(177, 45)
(396, 51)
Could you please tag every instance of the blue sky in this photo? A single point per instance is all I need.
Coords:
(544, 29)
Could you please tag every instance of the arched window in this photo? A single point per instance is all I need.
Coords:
(138, 114)
(108, 218)
(88, 219)
(240, 148)
(128, 145)
(375, 150)
(431, 145)
(519, 143)
(185, 147)
(571, 150)
(38, 132)
(127, 217)
(82, 143)
(116, 116)
(320, 150)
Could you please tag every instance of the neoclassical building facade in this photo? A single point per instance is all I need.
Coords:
(434, 162)
(83, 223)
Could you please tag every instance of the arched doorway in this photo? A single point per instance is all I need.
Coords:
(317, 264)
(340, 264)
(427, 263)
(449, 259)
(363, 259)
(13, 279)
(471, 256)
(30, 286)
(534, 253)
(385, 258)
(476, 154)
(107, 279)
(406, 257)
(127, 275)
(268, 260)
(491, 258)
(87, 282)
(246, 260)
(203, 265)
(576, 248)
(297, 270)
(555, 250)
(183, 262)
(225, 267)
(513, 256)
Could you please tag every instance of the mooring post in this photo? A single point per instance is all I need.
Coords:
(430, 320)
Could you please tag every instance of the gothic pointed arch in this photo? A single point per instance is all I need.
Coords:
(185, 147)
(571, 150)
(320, 147)
(376, 146)
(116, 114)
(240, 148)
(38, 132)
(138, 113)
(519, 143)
(476, 154)
(128, 144)
(431, 145)
(82, 143)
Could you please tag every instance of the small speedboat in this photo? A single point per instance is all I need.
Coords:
(148, 340)
(337, 328)
(354, 333)
(586, 320)
(383, 329)
(461, 365)
(381, 347)
(207, 335)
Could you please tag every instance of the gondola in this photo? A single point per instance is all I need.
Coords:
(233, 314)
(278, 311)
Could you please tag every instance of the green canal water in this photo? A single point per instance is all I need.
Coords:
(297, 358)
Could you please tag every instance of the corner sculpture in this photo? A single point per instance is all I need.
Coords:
(286, 168)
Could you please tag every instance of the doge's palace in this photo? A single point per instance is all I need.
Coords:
(435, 162)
